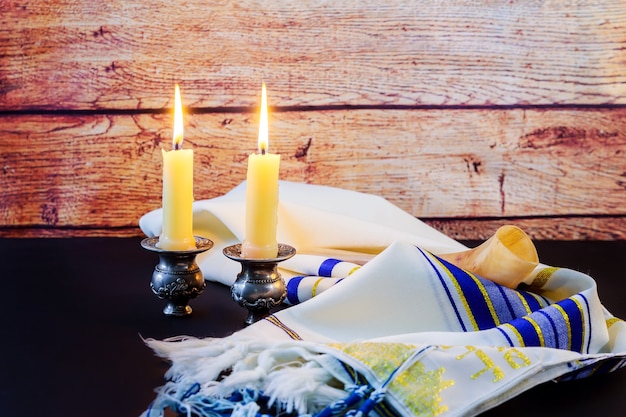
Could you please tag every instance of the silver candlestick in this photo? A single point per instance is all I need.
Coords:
(259, 286)
(177, 277)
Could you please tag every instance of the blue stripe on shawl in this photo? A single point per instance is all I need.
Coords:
(506, 336)
(532, 301)
(544, 301)
(553, 326)
(588, 308)
(326, 268)
(558, 326)
(475, 299)
(576, 323)
(506, 301)
(445, 288)
(527, 331)
(292, 289)
(553, 340)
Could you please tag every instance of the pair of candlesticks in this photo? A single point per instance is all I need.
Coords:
(177, 278)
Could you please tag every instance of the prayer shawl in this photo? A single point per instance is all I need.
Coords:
(405, 334)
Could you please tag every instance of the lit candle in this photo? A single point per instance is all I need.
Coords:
(177, 232)
(262, 195)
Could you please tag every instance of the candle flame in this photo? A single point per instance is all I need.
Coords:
(263, 142)
(177, 140)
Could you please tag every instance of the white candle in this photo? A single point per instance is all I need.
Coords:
(262, 195)
(177, 230)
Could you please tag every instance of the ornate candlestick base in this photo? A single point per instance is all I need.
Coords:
(259, 286)
(177, 277)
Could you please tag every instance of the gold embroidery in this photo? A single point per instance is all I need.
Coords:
(543, 277)
(418, 388)
(274, 320)
(314, 289)
(612, 321)
(498, 374)
(512, 355)
(356, 268)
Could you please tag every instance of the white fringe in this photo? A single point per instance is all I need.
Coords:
(296, 376)
(247, 410)
(301, 388)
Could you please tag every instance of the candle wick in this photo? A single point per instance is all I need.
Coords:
(178, 146)
(262, 151)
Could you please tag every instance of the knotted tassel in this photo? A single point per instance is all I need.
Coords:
(340, 406)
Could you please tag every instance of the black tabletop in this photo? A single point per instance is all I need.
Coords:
(75, 311)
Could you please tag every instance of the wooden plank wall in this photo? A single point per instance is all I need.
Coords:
(467, 114)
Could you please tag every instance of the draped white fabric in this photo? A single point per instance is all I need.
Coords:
(312, 218)
(407, 333)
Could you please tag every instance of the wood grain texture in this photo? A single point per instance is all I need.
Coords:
(97, 172)
(541, 228)
(467, 114)
(557, 228)
(69, 54)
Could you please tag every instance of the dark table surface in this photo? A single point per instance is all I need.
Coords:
(75, 311)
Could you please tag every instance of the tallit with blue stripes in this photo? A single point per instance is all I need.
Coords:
(405, 334)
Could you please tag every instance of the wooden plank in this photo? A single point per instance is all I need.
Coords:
(65, 54)
(94, 172)
(554, 228)
(540, 228)
(67, 232)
